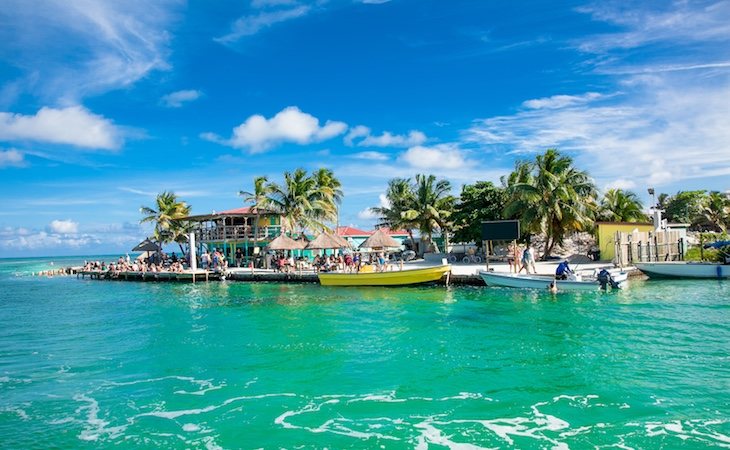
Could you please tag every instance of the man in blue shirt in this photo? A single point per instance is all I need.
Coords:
(563, 270)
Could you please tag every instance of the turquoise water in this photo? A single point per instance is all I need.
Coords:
(95, 364)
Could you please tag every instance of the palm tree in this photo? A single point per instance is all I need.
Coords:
(166, 215)
(329, 191)
(430, 208)
(552, 197)
(621, 206)
(258, 199)
(716, 211)
(297, 200)
(400, 197)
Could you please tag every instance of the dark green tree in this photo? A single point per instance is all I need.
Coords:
(479, 201)
(685, 206)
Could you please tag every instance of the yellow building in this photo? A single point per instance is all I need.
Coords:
(607, 234)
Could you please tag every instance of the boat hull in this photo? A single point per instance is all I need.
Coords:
(684, 270)
(539, 282)
(396, 278)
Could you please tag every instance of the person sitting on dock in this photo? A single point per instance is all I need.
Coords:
(563, 270)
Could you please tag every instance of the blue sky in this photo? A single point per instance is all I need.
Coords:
(103, 104)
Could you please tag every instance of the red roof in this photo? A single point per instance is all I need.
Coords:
(351, 231)
(236, 211)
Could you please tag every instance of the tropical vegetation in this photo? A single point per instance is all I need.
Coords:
(621, 206)
(304, 201)
(166, 215)
(424, 204)
(550, 196)
(478, 202)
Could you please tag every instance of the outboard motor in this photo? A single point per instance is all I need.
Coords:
(605, 279)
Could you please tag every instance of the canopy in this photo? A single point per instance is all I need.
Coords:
(146, 246)
(284, 242)
(326, 240)
(718, 244)
(380, 239)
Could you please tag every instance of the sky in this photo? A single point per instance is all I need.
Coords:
(104, 104)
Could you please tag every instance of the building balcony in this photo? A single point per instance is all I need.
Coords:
(237, 233)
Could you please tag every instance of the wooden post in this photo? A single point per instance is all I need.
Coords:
(486, 253)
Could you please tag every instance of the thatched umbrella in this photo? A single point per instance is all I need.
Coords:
(326, 240)
(146, 246)
(380, 240)
(284, 242)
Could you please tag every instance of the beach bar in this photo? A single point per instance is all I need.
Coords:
(245, 228)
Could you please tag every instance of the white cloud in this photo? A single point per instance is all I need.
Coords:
(387, 139)
(394, 140)
(258, 134)
(665, 130)
(356, 132)
(66, 237)
(560, 101)
(72, 49)
(374, 2)
(74, 125)
(621, 183)
(63, 227)
(252, 24)
(367, 214)
(176, 99)
(12, 158)
(442, 156)
(372, 156)
(677, 22)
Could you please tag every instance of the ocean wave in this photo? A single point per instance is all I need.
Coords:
(463, 420)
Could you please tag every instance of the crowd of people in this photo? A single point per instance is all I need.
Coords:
(216, 261)
(348, 262)
(153, 263)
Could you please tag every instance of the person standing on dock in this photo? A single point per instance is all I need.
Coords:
(205, 259)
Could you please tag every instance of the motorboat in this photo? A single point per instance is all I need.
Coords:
(528, 281)
(684, 269)
(405, 277)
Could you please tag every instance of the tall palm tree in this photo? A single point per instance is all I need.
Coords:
(430, 208)
(621, 206)
(400, 197)
(329, 191)
(716, 211)
(258, 199)
(555, 199)
(297, 201)
(166, 215)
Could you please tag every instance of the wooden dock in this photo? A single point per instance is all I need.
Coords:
(187, 276)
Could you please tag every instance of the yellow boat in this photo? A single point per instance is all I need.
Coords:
(392, 278)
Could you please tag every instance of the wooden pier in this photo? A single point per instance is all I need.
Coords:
(187, 276)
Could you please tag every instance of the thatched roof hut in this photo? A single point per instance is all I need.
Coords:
(284, 242)
(326, 240)
(380, 239)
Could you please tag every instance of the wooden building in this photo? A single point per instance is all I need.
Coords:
(236, 228)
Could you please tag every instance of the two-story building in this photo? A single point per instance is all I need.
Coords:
(236, 228)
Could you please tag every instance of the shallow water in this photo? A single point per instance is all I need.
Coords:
(234, 365)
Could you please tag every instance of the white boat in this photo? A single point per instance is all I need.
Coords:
(684, 269)
(543, 281)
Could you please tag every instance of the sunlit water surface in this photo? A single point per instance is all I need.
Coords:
(88, 364)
